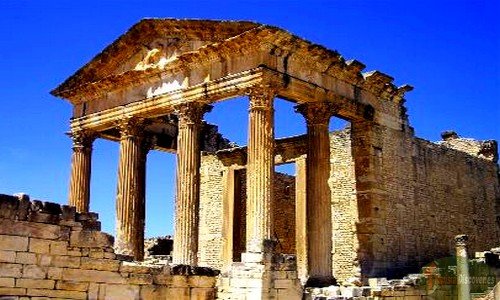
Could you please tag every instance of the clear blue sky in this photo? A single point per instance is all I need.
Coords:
(448, 50)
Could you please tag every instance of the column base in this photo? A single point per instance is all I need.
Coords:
(320, 281)
(261, 276)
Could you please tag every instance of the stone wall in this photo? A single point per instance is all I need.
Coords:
(344, 206)
(210, 234)
(430, 193)
(48, 251)
(424, 194)
(211, 212)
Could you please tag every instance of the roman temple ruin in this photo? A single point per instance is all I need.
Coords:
(368, 201)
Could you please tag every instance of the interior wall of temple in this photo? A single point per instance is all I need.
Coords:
(427, 193)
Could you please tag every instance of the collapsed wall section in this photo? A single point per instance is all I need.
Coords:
(48, 250)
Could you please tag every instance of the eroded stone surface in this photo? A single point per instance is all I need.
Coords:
(39, 261)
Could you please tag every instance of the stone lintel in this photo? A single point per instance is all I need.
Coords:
(286, 150)
(164, 104)
(296, 90)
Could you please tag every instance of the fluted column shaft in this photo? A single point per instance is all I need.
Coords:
(318, 206)
(79, 186)
(131, 190)
(260, 169)
(188, 183)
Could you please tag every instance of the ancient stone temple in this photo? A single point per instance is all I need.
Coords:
(368, 201)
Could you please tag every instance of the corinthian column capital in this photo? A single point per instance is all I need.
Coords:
(82, 138)
(130, 127)
(261, 96)
(191, 113)
(316, 113)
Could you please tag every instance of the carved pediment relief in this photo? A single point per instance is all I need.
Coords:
(158, 54)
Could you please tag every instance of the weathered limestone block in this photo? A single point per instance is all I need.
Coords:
(35, 283)
(100, 264)
(26, 258)
(34, 230)
(119, 292)
(153, 292)
(7, 282)
(164, 279)
(140, 279)
(68, 213)
(96, 253)
(89, 220)
(8, 206)
(39, 246)
(44, 260)
(12, 291)
(15, 243)
(65, 261)
(92, 276)
(180, 281)
(43, 217)
(90, 239)
(178, 293)
(72, 285)
(7, 256)
(201, 281)
(58, 294)
(10, 270)
(54, 273)
(127, 267)
(200, 293)
(23, 208)
(59, 247)
(34, 271)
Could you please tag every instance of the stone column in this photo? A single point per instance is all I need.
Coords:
(79, 186)
(463, 278)
(318, 198)
(228, 198)
(130, 191)
(260, 169)
(148, 143)
(300, 217)
(188, 183)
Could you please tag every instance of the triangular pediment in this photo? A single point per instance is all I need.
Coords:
(155, 48)
(153, 43)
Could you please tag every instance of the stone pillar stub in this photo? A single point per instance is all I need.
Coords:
(318, 195)
(260, 168)
(79, 186)
(463, 278)
(131, 190)
(188, 182)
